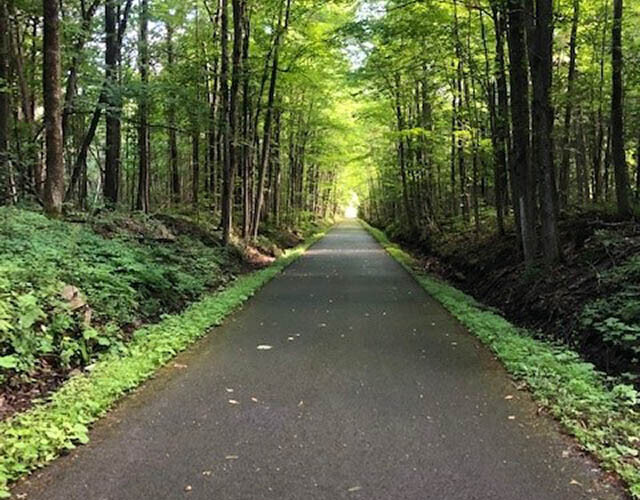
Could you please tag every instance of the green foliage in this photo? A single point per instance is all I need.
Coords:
(617, 317)
(30, 440)
(603, 417)
(124, 281)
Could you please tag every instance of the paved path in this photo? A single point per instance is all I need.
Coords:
(370, 391)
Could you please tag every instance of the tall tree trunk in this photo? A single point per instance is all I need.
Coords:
(171, 118)
(617, 113)
(5, 165)
(264, 157)
(599, 184)
(524, 178)
(142, 202)
(247, 157)
(501, 119)
(402, 158)
(541, 76)
(54, 183)
(214, 133)
(568, 112)
(195, 166)
(227, 113)
(112, 140)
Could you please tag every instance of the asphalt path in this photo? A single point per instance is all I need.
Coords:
(340, 379)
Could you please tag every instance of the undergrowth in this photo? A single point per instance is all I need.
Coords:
(31, 439)
(112, 285)
(601, 413)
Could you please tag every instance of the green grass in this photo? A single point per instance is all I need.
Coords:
(31, 439)
(602, 415)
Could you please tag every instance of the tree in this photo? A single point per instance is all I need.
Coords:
(227, 137)
(5, 188)
(542, 123)
(267, 133)
(142, 201)
(617, 115)
(54, 183)
(112, 148)
(523, 173)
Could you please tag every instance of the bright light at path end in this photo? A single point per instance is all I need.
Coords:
(351, 211)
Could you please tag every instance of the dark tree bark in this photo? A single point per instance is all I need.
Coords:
(214, 134)
(501, 119)
(171, 118)
(568, 112)
(541, 76)
(114, 30)
(54, 183)
(195, 167)
(112, 149)
(524, 179)
(142, 202)
(247, 157)
(617, 114)
(226, 113)
(142, 199)
(400, 123)
(5, 108)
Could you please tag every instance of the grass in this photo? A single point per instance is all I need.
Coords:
(602, 415)
(31, 439)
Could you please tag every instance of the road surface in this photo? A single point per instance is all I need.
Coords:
(340, 379)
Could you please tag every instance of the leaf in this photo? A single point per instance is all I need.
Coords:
(264, 347)
(8, 362)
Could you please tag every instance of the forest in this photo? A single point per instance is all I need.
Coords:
(155, 152)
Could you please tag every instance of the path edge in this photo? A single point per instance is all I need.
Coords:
(29, 440)
(602, 416)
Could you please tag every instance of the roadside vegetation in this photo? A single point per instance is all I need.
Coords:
(35, 437)
(73, 291)
(600, 411)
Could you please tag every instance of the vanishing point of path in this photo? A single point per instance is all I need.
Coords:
(371, 390)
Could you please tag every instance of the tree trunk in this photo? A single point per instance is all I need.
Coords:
(114, 29)
(112, 148)
(247, 157)
(171, 118)
(195, 167)
(524, 178)
(266, 140)
(617, 113)
(142, 202)
(501, 120)
(5, 110)
(54, 183)
(541, 76)
(411, 222)
(568, 112)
